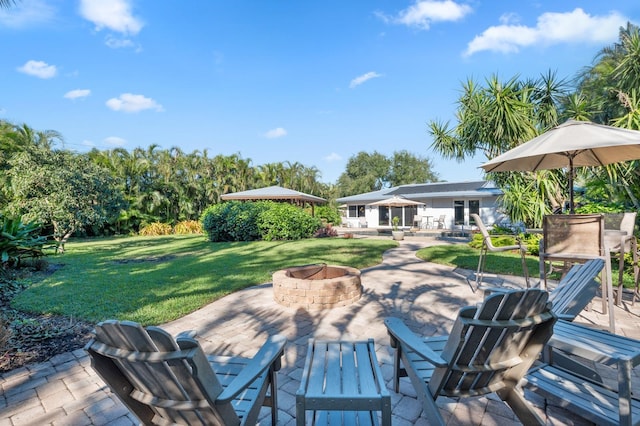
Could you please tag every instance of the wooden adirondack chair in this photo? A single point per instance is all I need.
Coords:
(574, 291)
(163, 380)
(490, 348)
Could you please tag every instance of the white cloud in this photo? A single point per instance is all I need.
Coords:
(26, 13)
(115, 141)
(88, 143)
(364, 77)
(114, 15)
(425, 12)
(39, 69)
(551, 28)
(333, 157)
(118, 43)
(77, 93)
(128, 102)
(278, 132)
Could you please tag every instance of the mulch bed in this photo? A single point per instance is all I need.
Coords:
(34, 338)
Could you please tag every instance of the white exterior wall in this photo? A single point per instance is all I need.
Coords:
(435, 207)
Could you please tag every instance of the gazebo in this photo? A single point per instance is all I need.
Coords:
(276, 193)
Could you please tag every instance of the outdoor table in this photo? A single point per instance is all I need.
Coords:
(604, 348)
(342, 382)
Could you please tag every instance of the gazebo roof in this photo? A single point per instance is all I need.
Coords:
(273, 193)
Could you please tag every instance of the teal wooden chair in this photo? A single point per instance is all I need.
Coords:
(163, 380)
(490, 349)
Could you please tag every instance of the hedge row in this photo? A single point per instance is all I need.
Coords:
(260, 220)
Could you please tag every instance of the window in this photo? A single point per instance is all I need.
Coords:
(356, 211)
(474, 207)
(383, 215)
(458, 212)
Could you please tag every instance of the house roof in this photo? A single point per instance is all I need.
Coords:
(273, 193)
(472, 189)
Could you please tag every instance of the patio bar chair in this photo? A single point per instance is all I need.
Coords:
(577, 238)
(487, 246)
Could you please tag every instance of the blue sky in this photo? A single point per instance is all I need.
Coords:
(309, 81)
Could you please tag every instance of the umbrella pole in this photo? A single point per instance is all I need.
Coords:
(571, 208)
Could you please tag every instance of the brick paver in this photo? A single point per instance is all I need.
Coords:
(66, 391)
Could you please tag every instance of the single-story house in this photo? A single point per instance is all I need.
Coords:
(444, 205)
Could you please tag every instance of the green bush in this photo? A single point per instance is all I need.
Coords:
(233, 221)
(248, 221)
(286, 222)
(532, 241)
(328, 214)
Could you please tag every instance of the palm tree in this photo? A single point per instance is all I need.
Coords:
(497, 117)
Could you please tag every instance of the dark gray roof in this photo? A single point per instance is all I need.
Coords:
(419, 191)
(430, 188)
(273, 193)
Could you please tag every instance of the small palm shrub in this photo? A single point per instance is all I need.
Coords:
(188, 227)
(156, 229)
(19, 240)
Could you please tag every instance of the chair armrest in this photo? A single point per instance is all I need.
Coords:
(262, 360)
(187, 334)
(399, 332)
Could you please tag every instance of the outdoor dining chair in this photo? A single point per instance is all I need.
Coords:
(576, 238)
(620, 239)
(487, 246)
(163, 380)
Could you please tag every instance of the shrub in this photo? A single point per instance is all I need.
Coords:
(188, 227)
(286, 222)
(233, 221)
(248, 221)
(19, 240)
(328, 214)
(155, 229)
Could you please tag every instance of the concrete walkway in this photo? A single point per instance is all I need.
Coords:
(66, 391)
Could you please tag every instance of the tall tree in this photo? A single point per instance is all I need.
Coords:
(64, 190)
(407, 168)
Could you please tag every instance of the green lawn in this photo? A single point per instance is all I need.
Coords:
(463, 256)
(508, 263)
(153, 280)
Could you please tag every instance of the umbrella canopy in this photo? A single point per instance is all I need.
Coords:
(571, 144)
(396, 201)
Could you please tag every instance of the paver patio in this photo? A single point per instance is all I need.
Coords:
(66, 391)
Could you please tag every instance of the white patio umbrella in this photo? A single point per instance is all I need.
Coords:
(396, 201)
(571, 144)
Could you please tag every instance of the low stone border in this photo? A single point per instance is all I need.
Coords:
(317, 286)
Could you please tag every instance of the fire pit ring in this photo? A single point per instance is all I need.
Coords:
(318, 286)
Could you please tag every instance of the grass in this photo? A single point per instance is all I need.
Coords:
(153, 280)
(507, 263)
(465, 257)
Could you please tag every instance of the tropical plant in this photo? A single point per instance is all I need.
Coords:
(496, 117)
(187, 227)
(156, 229)
(19, 240)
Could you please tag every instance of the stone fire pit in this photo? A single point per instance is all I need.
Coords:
(317, 286)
